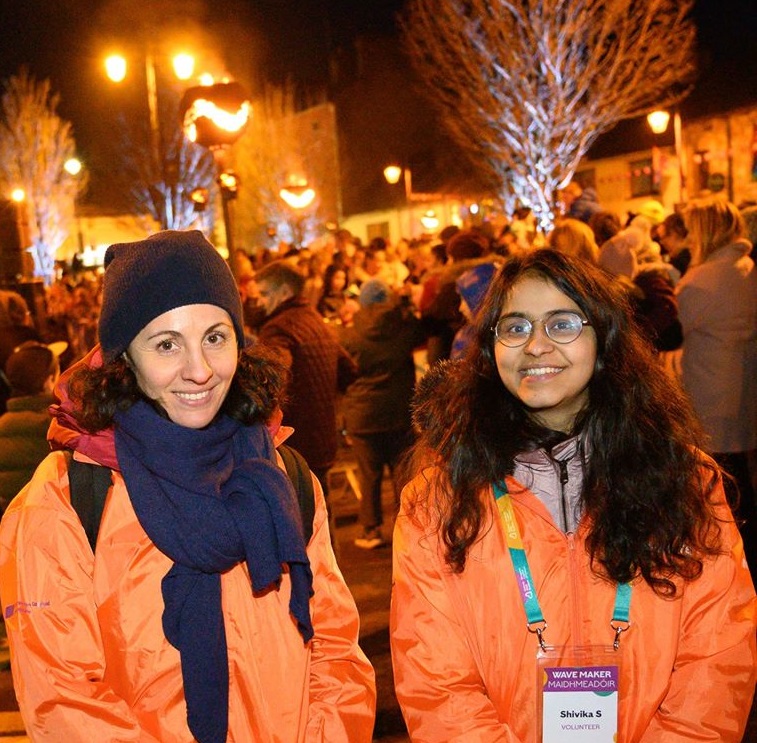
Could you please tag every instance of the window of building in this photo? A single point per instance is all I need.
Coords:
(378, 229)
(642, 178)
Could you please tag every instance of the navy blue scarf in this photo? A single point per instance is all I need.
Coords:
(210, 499)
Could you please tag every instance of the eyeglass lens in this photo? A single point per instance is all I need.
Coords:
(562, 327)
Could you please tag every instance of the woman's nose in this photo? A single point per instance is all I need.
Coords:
(539, 342)
(197, 368)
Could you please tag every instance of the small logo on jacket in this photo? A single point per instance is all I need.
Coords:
(24, 607)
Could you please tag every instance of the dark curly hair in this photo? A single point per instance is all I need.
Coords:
(256, 390)
(647, 490)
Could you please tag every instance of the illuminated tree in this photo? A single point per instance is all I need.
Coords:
(35, 143)
(161, 188)
(526, 86)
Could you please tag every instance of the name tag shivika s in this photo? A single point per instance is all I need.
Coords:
(580, 703)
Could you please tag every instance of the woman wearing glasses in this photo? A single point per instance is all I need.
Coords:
(566, 569)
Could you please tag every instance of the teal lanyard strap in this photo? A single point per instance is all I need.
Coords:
(534, 618)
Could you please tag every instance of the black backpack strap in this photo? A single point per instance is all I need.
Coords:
(88, 487)
(299, 473)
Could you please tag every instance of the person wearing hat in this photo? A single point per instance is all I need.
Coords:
(472, 287)
(202, 614)
(31, 373)
(376, 406)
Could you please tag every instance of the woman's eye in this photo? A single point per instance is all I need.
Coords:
(215, 339)
(166, 345)
(517, 327)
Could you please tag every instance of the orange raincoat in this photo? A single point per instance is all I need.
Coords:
(89, 658)
(465, 663)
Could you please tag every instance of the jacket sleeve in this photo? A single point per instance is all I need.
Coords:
(57, 658)
(342, 681)
(438, 686)
(713, 681)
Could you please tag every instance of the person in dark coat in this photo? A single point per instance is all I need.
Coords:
(32, 370)
(319, 367)
(377, 404)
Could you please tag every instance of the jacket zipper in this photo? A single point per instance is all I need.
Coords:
(575, 594)
(563, 466)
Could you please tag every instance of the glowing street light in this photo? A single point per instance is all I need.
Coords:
(72, 166)
(116, 68)
(297, 194)
(18, 195)
(658, 122)
(215, 115)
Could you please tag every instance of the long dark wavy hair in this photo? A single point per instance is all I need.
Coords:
(647, 489)
(256, 390)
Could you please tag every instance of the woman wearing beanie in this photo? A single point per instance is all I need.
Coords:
(202, 614)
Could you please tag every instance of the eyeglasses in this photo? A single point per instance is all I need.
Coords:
(560, 327)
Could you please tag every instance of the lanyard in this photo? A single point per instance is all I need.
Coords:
(534, 618)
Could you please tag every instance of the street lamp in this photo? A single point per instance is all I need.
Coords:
(73, 166)
(297, 193)
(393, 173)
(215, 116)
(18, 196)
(298, 196)
(658, 122)
(116, 68)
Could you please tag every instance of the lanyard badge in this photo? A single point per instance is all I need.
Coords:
(577, 687)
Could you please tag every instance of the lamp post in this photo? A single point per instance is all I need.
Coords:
(658, 122)
(73, 167)
(116, 68)
(215, 116)
(18, 197)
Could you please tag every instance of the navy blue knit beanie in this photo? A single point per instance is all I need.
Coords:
(146, 278)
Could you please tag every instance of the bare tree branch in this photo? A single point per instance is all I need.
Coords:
(527, 86)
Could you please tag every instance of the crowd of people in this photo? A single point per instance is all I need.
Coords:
(593, 389)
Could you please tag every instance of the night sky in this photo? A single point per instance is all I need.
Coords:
(276, 40)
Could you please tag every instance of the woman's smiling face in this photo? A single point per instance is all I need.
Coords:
(551, 379)
(185, 360)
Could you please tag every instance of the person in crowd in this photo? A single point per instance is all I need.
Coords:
(31, 371)
(335, 304)
(579, 202)
(649, 285)
(672, 235)
(604, 225)
(373, 265)
(567, 518)
(318, 366)
(440, 312)
(395, 271)
(653, 211)
(523, 228)
(472, 287)
(16, 326)
(749, 213)
(376, 405)
(202, 614)
(717, 300)
(574, 237)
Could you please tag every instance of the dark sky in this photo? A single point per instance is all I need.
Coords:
(66, 40)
